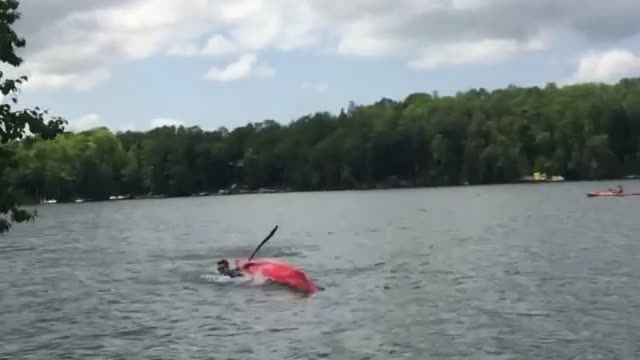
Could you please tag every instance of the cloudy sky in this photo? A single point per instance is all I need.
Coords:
(136, 64)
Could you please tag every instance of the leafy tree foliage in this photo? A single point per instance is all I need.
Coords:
(14, 124)
(587, 131)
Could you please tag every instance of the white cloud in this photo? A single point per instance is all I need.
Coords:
(161, 121)
(367, 45)
(245, 66)
(218, 45)
(75, 43)
(66, 80)
(476, 52)
(607, 66)
(85, 122)
(183, 49)
(78, 48)
(320, 86)
(93, 120)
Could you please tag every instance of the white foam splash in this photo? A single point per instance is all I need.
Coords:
(256, 279)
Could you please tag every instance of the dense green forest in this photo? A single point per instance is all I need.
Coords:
(586, 131)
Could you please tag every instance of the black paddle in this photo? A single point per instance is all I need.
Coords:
(263, 242)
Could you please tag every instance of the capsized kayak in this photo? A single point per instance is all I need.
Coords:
(609, 193)
(278, 271)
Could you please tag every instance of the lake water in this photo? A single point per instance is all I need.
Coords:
(491, 272)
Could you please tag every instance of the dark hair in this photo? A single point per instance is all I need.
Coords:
(223, 262)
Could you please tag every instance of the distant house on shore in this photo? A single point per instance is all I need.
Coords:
(541, 177)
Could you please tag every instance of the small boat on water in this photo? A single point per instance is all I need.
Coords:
(609, 194)
(617, 192)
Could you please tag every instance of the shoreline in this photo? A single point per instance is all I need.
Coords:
(283, 191)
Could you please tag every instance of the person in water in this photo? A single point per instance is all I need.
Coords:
(224, 269)
(619, 190)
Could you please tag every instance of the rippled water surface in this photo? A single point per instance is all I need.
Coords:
(497, 272)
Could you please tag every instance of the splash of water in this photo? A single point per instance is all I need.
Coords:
(251, 279)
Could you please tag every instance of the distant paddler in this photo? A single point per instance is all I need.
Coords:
(619, 190)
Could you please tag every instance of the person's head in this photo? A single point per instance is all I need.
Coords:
(223, 266)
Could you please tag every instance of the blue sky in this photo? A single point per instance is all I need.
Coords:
(135, 64)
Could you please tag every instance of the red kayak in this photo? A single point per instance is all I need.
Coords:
(609, 193)
(280, 272)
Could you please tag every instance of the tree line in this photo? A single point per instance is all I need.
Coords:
(585, 131)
